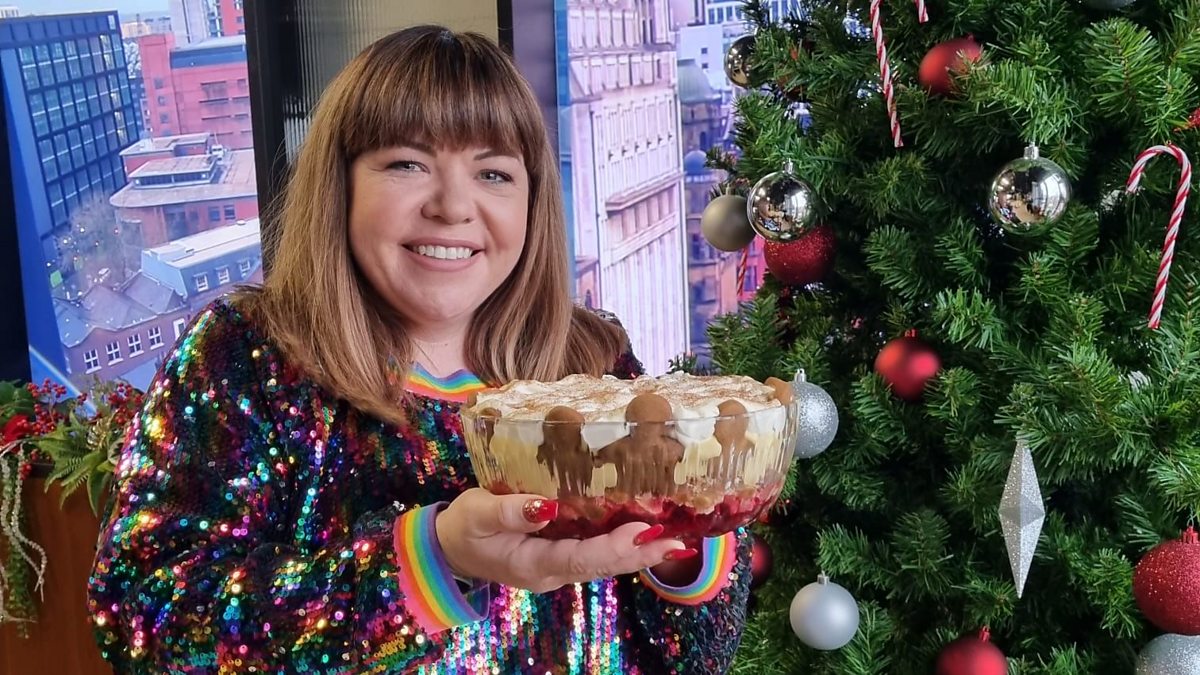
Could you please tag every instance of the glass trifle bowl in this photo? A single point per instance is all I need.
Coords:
(699, 455)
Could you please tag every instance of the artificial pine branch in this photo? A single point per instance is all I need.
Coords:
(1042, 334)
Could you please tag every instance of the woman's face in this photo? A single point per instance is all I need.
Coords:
(437, 231)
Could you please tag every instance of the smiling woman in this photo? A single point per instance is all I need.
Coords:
(296, 492)
(441, 139)
(435, 232)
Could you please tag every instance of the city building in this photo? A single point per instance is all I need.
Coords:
(730, 11)
(121, 332)
(145, 24)
(70, 111)
(195, 21)
(197, 266)
(706, 44)
(623, 175)
(703, 112)
(191, 21)
(712, 274)
(9, 11)
(110, 333)
(231, 17)
(714, 26)
(184, 185)
(201, 87)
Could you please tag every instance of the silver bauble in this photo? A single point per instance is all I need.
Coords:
(817, 418)
(824, 615)
(782, 207)
(1029, 193)
(724, 223)
(1170, 655)
(1108, 4)
(737, 60)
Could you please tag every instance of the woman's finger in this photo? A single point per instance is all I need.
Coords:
(520, 513)
(618, 552)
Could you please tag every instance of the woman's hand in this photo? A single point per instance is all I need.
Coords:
(485, 536)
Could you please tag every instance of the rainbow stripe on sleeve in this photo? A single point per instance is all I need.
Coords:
(719, 555)
(431, 594)
(455, 388)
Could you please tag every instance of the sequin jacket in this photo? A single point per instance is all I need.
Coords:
(252, 531)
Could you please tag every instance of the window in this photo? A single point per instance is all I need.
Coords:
(201, 282)
(158, 84)
(37, 105)
(49, 166)
(214, 214)
(135, 344)
(230, 213)
(55, 110)
(179, 326)
(244, 266)
(213, 90)
(91, 361)
(155, 335)
(164, 118)
(162, 100)
(114, 352)
(222, 275)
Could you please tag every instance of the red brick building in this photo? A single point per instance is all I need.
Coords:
(201, 87)
(233, 20)
(184, 185)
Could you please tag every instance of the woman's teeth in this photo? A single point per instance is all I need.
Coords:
(444, 252)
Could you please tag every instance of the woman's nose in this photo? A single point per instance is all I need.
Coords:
(450, 202)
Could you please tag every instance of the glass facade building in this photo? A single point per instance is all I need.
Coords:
(71, 111)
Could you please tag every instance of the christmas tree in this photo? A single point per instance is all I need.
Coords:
(963, 296)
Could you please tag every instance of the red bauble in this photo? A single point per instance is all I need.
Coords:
(761, 561)
(934, 73)
(972, 655)
(907, 364)
(1166, 585)
(804, 261)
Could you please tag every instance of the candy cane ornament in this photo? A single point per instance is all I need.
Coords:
(743, 265)
(1181, 196)
(885, 66)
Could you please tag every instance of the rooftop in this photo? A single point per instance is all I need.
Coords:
(694, 86)
(209, 245)
(212, 43)
(110, 309)
(163, 143)
(237, 180)
(172, 165)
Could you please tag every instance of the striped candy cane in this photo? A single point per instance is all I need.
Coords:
(1181, 195)
(743, 265)
(885, 67)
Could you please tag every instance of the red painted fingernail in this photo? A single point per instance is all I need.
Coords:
(540, 510)
(680, 554)
(648, 535)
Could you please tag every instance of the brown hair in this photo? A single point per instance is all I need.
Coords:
(445, 89)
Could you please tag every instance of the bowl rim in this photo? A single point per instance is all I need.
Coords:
(468, 415)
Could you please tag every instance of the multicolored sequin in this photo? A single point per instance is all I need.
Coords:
(252, 531)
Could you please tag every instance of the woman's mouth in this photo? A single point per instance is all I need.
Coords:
(442, 252)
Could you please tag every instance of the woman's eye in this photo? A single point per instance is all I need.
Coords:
(496, 177)
(404, 165)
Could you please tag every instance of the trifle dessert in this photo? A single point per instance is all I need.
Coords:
(700, 455)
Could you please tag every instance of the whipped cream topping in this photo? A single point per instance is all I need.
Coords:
(602, 402)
